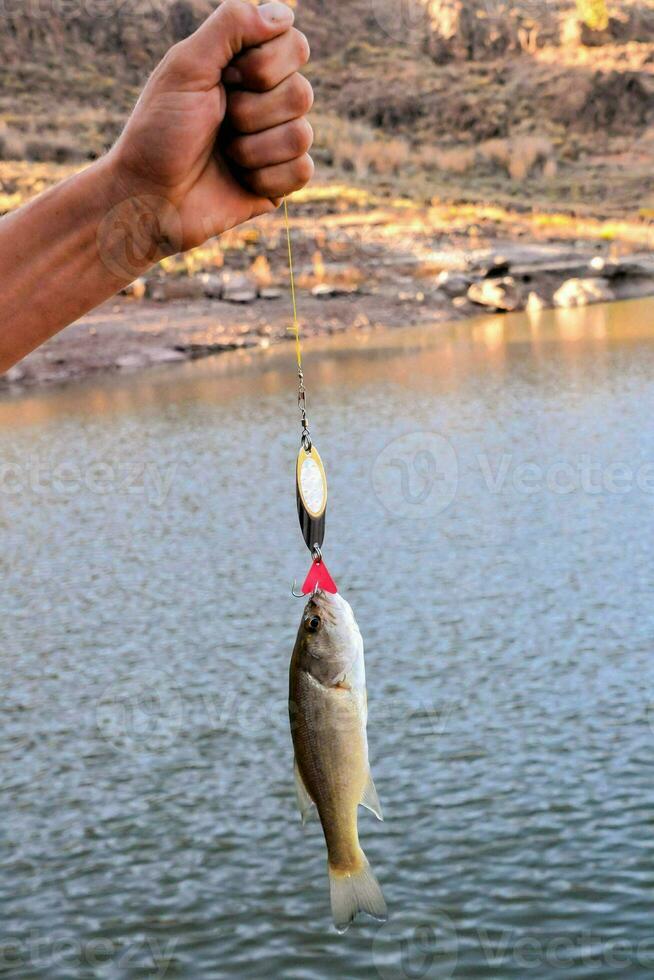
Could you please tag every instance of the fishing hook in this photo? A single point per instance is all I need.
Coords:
(303, 595)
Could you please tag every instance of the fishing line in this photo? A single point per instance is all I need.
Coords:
(310, 477)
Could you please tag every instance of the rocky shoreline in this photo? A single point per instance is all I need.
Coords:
(378, 272)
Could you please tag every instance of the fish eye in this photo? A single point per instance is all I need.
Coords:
(313, 624)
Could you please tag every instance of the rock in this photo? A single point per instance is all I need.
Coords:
(239, 289)
(240, 295)
(499, 265)
(164, 355)
(270, 292)
(241, 343)
(633, 267)
(454, 259)
(136, 289)
(14, 374)
(535, 302)
(498, 294)
(452, 283)
(213, 285)
(188, 287)
(561, 269)
(325, 290)
(130, 361)
(581, 292)
(632, 288)
(204, 350)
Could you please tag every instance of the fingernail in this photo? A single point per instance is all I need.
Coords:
(276, 13)
(232, 76)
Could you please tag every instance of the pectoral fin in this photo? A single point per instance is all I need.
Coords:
(369, 798)
(304, 801)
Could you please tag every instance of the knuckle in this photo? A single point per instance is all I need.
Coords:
(304, 170)
(241, 112)
(237, 150)
(258, 183)
(302, 46)
(237, 15)
(300, 137)
(175, 57)
(301, 94)
(235, 11)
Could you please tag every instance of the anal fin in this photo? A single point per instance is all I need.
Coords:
(369, 798)
(304, 801)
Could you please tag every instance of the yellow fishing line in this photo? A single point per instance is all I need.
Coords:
(296, 326)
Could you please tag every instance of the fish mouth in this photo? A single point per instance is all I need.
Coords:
(318, 597)
(323, 601)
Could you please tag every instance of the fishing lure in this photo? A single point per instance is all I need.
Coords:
(310, 478)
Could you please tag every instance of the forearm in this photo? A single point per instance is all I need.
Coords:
(65, 252)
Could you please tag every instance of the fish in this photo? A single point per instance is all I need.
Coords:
(328, 713)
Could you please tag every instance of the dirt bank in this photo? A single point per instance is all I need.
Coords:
(363, 263)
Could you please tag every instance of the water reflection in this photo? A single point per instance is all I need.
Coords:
(448, 353)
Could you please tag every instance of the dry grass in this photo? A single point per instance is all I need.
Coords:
(355, 147)
(520, 156)
(364, 151)
(453, 160)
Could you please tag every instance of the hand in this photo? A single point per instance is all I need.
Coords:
(217, 156)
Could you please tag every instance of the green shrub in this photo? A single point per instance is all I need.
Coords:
(593, 13)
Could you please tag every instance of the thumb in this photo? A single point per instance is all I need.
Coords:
(234, 26)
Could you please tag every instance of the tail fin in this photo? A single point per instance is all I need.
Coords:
(354, 892)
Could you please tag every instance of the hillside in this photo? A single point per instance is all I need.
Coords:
(524, 105)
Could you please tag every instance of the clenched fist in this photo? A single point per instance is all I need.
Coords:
(219, 133)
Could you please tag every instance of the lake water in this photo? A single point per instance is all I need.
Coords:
(491, 521)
